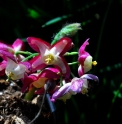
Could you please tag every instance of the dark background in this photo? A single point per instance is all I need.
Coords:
(101, 22)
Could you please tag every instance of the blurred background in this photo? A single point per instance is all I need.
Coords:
(101, 22)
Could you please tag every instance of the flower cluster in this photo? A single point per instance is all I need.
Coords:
(48, 63)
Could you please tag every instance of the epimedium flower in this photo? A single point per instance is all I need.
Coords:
(35, 82)
(50, 54)
(47, 74)
(15, 70)
(77, 85)
(85, 59)
(9, 51)
(16, 46)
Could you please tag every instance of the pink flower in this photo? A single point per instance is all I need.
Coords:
(85, 59)
(47, 74)
(39, 79)
(16, 46)
(77, 85)
(8, 51)
(50, 55)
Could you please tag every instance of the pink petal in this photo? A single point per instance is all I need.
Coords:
(82, 57)
(27, 80)
(2, 72)
(50, 73)
(62, 46)
(6, 47)
(76, 85)
(40, 91)
(6, 55)
(18, 45)
(80, 70)
(38, 44)
(2, 67)
(37, 63)
(82, 48)
(82, 54)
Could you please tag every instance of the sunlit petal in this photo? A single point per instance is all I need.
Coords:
(37, 63)
(63, 45)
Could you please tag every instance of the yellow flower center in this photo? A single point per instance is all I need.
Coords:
(10, 76)
(84, 91)
(49, 59)
(94, 63)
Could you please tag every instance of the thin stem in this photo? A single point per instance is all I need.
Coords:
(29, 94)
(73, 63)
(32, 55)
(61, 84)
(23, 52)
(113, 101)
(72, 75)
(70, 53)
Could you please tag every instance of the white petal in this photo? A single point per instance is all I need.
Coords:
(17, 70)
(60, 64)
(88, 64)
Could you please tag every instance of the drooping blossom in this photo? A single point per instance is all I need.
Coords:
(50, 55)
(85, 59)
(77, 85)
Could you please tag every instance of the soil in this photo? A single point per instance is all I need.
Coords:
(15, 110)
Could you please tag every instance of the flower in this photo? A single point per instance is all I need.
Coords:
(85, 59)
(38, 80)
(47, 74)
(16, 46)
(8, 51)
(15, 70)
(50, 55)
(77, 85)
